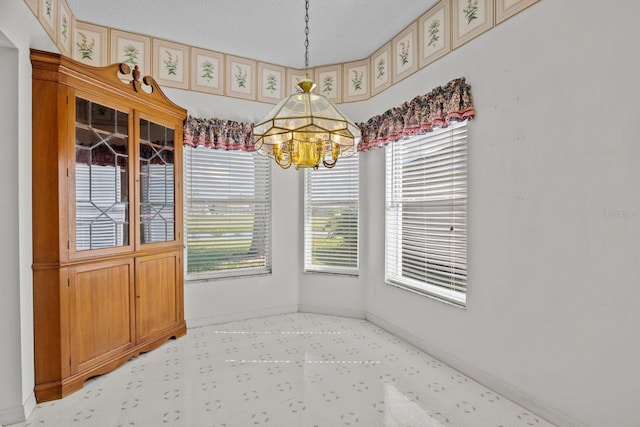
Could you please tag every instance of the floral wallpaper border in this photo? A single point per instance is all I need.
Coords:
(192, 68)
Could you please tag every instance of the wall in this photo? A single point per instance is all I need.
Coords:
(19, 30)
(224, 300)
(554, 215)
(9, 249)
(216, 301)
(553, 209)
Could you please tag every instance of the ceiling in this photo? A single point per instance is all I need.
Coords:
(266, 30)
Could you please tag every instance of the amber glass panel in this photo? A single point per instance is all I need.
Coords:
(102, 176)
(157, 204)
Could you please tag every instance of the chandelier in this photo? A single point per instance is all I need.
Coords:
(306, 129)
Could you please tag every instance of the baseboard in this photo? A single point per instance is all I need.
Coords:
(12, 416)
(477, 375)
(242, 315)
(332, 311)
(29, 405)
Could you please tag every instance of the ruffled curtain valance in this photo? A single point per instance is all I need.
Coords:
(436, 109)
(217, 133)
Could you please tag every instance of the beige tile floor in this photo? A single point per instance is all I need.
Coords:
(293, 370)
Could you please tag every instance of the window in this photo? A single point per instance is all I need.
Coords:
(426, 214)
(227, 213)
(331, 218)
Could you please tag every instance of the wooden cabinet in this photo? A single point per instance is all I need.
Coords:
(107, 220)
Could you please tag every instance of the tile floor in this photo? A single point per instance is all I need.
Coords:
(294, 370)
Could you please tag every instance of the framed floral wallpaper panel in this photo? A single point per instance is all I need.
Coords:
(33, 5)
(90, 44)
(405, 52)
(505, 9)
(207, 71)
(293, 77)
(434, 28)
(355, 81)
(65, 28)
(328, 82)
(241, 78)
(47, 14)
(271, 83)
(171, 64)
(132, 49)
(381, 69)
(470, 19)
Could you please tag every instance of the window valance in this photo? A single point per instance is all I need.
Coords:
(218, 133)
(452, 102)
(436, 109)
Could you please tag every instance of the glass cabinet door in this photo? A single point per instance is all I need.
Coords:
(157, 177)
(101, 176)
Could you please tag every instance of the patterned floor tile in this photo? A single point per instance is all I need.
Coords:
(293, 370)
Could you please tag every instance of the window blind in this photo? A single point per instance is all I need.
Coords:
(331, 218)
(426, 213)
(227, 213)
(102, 220)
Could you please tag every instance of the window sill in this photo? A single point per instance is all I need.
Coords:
(215, 277)
(333, 273)
(455, 299)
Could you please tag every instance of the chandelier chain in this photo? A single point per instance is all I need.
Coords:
(306, 36)
(318, 136)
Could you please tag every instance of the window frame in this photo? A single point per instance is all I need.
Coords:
(262, 181)
(401, 201)
(349, 200)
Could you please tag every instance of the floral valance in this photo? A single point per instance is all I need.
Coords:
(452, 102)
(436, 109)
(217, 133)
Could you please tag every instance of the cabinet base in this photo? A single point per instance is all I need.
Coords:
(58, 389)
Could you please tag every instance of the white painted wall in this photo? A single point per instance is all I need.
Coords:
(224, 300)
(554, 215)
(10, 352)
(19, 30)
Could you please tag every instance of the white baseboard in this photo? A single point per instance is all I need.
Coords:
(29, 405)
(332, 311)
(243, 315)
(477, 375)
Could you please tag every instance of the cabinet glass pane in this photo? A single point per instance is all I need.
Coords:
(157, 205)
(102, 176)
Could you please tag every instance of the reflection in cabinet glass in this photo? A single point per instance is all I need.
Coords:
(102, 174)
(157, 204)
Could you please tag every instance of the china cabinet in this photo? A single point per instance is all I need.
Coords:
(107, 220)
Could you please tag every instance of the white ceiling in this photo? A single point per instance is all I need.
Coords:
(266, 30)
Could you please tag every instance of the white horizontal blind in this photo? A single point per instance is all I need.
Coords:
(101, 216)
(426, 213)
(331, 218)
(227, 213)
(156, 194)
